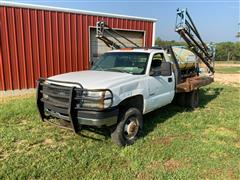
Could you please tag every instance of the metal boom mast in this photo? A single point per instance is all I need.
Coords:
(188, 31)
(102, 29)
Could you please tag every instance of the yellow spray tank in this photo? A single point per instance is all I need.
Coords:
(186, 58)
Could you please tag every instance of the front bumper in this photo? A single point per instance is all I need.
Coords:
(61, 104)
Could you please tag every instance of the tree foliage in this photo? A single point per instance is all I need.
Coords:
(224, 50)
(238, 35)
(160, 42)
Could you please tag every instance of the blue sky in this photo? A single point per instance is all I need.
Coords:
(216, 20)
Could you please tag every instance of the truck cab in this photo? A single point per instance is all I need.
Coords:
(121, 86)
(150, 75)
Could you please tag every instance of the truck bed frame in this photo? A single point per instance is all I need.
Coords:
(192, 83)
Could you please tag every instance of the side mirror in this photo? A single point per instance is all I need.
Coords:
(166, 69)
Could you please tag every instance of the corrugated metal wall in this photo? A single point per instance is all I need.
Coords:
(41, 43)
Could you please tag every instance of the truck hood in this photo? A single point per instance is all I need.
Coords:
(95, 79)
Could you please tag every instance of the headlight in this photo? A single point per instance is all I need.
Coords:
(95, 99)
(94, 94)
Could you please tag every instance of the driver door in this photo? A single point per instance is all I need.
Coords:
(160, 88)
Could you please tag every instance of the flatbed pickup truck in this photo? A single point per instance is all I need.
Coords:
(121, 86)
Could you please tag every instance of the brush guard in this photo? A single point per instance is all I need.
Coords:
(49, 105)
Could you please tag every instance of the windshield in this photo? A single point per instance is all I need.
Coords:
(126, 62)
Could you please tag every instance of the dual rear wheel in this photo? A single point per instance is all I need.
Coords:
(189, 99)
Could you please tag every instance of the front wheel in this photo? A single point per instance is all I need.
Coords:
(127, 130)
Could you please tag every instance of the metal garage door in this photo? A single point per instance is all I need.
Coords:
(97, 47)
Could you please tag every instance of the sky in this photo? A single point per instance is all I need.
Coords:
(216, 20)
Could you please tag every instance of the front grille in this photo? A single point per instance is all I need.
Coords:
(56, 98)
(56, 91)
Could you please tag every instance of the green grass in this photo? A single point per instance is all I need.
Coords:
(227, 70)
(176, 143)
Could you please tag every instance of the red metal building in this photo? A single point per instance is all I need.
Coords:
(41, 41)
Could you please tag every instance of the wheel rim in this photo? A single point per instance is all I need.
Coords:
(131, 128)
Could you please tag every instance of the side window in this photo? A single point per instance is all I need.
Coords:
(157, 60)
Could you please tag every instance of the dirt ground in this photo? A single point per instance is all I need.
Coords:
(227, 65)
(233, 79)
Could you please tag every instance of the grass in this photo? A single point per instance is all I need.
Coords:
(227, 70)
(176, 143)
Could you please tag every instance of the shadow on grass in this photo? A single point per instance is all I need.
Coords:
(152, 119)
(104, 131)
(208, 94)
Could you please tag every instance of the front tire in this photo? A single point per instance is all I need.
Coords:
(127, 130)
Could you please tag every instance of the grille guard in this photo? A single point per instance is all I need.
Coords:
(69, 107)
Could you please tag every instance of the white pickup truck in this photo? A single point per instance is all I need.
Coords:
(120, 87)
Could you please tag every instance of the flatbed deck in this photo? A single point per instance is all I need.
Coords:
(192, 83)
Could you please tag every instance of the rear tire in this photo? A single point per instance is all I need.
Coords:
(180, 99)
(192, 99)
(189, 99)
(129, 127)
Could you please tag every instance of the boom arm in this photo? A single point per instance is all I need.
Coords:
(102, 29)
(187, 30)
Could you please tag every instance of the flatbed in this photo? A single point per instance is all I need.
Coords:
(192, 83)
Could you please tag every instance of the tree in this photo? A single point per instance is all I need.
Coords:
(160, 42)
(238, 35)
(225, 51)
(237, 51)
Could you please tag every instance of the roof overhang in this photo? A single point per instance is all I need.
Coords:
(60, 9)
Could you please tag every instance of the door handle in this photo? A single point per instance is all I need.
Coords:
(170, 79)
